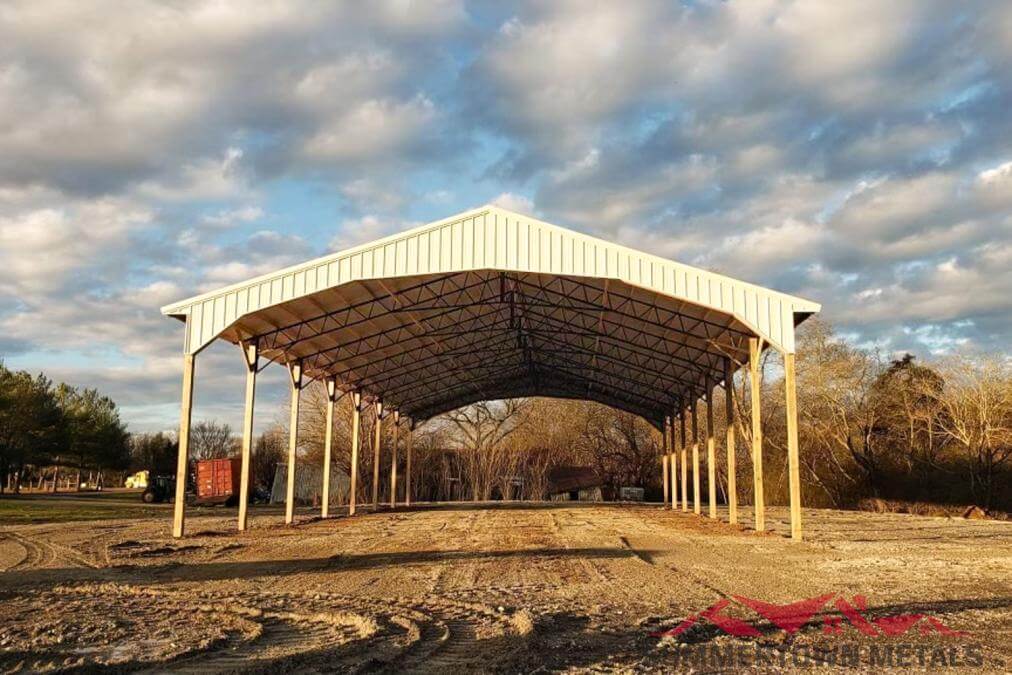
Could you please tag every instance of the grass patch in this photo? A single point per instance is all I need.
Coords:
(33, 509)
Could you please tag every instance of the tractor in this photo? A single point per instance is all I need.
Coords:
(160, 489)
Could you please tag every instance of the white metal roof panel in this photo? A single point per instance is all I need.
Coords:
(494, 238)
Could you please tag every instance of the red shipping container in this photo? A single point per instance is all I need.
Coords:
(218, 480)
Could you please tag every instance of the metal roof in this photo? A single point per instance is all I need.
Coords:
(493, 304)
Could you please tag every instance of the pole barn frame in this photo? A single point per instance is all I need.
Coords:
(491, 304)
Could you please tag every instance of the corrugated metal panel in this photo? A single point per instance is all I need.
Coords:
(493, 238)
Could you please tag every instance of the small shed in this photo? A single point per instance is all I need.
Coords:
(574, 483)
(309, 485)
(631, 494)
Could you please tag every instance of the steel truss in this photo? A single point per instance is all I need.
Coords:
(425, 345)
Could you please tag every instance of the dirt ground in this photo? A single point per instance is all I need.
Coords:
(508, 587)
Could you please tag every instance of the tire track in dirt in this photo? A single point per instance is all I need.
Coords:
(267, 632)
(282, 639)
(37, 554)
(13, 554)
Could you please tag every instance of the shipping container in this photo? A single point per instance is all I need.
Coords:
(218, 480)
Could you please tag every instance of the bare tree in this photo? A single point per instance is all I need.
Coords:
(268, 451)
(212, 440)
(976, 417)
(482, 430)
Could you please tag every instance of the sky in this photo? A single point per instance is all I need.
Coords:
(855, 153)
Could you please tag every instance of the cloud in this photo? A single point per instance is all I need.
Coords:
(158, 101)
(855, 153)
(375, 130)
(514, 202)
(356, 231)
(230, 217)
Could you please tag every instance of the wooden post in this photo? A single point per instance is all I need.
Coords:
(328, 445)
(393, 462)
(793, 461)
(356, 417)
(732, 479)
(711, 455)
(56, 474)
(182, 460)
(407, 468)
(250, 355)
(295, 371)
(696, 504)
(754, 350)
(664, 459)
(685, 466)
(673, 463)
(377, 440)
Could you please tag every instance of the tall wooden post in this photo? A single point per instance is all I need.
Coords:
(377, 440)
(407, 467)
(328, 444)
(711, 455)
(732, 478)
(673, 463)
(793, 460)
(696, 505)
(754, 350)
(356, 418)
(685, 465)
(393, 462)
(295, 372)
(182, 460)
(664, 459)
(251, 356)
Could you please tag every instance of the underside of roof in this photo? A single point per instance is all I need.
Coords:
(491, 304)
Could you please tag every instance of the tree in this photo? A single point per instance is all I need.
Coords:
(482, 429)
(156, 453)
(32, 428)
(844, 454)
(95, 436)
(268, 451)
(213, 440)
(906, 397)
(976, 417)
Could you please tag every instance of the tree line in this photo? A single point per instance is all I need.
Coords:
(46, 425)
(55, 434)
(936, 431)
(871, 428)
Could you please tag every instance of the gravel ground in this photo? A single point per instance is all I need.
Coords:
(507, 588)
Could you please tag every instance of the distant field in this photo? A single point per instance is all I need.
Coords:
(63, 507)
(67, 507)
